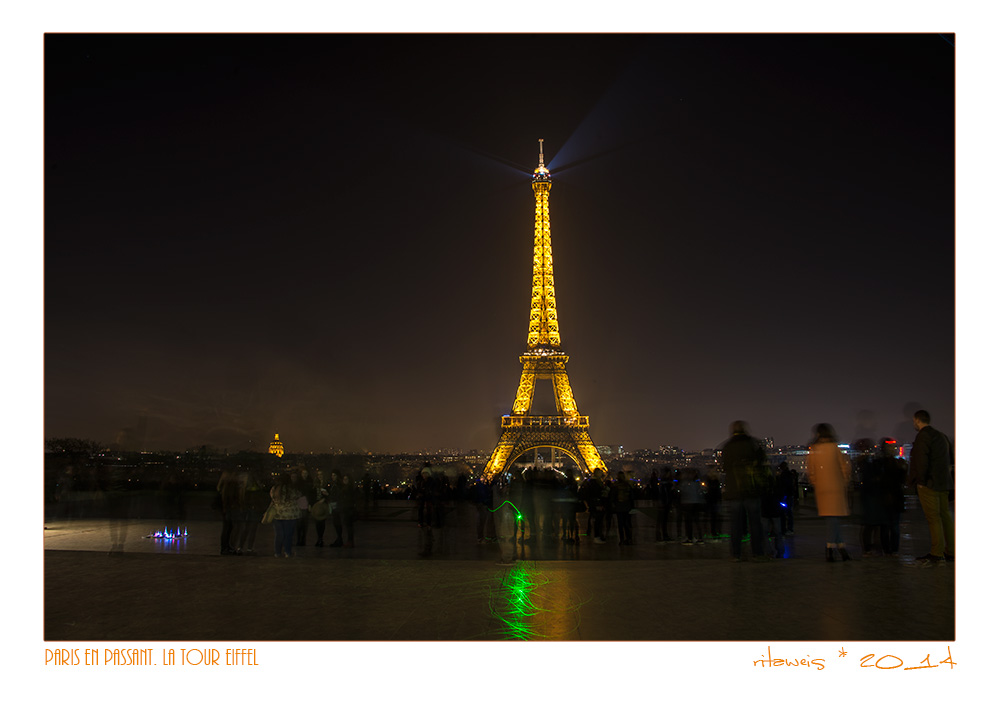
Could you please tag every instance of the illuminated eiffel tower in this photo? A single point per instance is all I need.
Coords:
(568, 430)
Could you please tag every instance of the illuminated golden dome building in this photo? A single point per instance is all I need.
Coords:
(567, 431)
(276, 447)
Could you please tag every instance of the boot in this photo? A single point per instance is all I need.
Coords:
(829, 555)
(843, 553)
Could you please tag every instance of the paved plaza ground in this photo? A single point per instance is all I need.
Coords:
(383, 590)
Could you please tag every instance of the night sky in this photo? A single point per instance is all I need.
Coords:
(330, 236)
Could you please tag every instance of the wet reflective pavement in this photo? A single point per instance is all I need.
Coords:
(385, 590)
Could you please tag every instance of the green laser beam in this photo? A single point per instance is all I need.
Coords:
(506, 503)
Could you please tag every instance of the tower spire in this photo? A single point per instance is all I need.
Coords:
(543, 324)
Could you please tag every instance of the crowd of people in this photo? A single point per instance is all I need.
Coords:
(758, 500)
(744, 499)
(295, 502)
(881, 475)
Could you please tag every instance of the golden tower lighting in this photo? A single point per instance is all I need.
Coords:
(276, 448)
(568, 431)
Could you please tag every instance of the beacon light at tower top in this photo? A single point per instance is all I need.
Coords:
(541, 173)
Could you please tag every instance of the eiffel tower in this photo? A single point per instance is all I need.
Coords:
(568, 431)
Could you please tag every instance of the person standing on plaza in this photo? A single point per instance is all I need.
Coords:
(285, 498)
(741, 457)
(932, 464)
(829, 471)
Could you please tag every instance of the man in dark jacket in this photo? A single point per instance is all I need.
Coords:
(740, 456)
(932, 462)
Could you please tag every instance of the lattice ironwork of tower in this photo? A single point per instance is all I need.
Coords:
(568, 431)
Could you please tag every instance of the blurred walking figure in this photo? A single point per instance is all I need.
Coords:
(255, 501)
(874, 518)
(771, 508)
(622, 495)
(111, 484)
(592, 489)
(742, 456)
(333, 498)
(882, 478)
(285, 498)
(892, 471)
(569, 500)
(425, 510)
(319, 511)
(829, 473)
(174, 494)
(307, 492)
(347, 505)
(522, 496)
(482, 497)
(713, 504)
(231, 493)
(240, 522)
(692, 505)
(788, 489)
(932, 464)
(608, 498)
(660, 490)
(504, 520)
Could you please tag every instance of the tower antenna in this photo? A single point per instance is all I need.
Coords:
(541, 154)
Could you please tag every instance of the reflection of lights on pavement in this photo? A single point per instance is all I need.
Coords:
(530, 606)
(517, 607)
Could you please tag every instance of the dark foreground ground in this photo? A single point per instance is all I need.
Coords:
(383, 590)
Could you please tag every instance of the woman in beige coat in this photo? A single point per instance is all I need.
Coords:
(829, 472)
